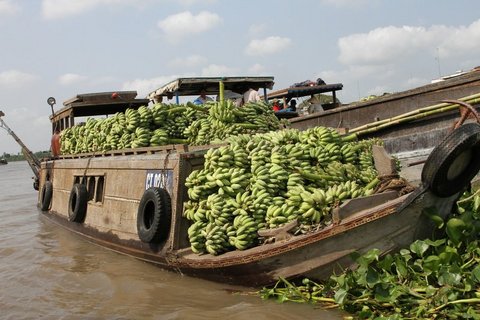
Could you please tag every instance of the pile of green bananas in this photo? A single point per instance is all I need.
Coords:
(226, 119)
(266, 180)
(163, 124)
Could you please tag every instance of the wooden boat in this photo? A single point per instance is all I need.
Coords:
(416, 136)
(105, 197)
(3, 161)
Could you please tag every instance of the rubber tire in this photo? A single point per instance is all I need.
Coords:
(77, 204)
(461, 148)
(46, 196)
(154, 215)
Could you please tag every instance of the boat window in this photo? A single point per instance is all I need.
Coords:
(95, 186)
(99, 191)
(91, 188)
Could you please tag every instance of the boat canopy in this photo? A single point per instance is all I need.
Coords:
(194, 86)
(95, 104)
(295, 92)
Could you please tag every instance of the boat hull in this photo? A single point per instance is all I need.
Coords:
(386, 227)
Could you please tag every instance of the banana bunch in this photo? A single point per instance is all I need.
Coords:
(342, 191)
(159, 138)
(262, 199)
(125, 140)
(198, 186)
(119, 124)
(197, 237)
(287, 137)
(278, 214)
(216, 239)
(199, 132)
(349, 152)
(216, 212)
(226, 157)
(132, 119)
(308, 206)
(326, 153)
(319, 136)
(146, 117)
(142, 137)
(222, 111)
(243, 204)
(175, 126)
(243, 235)
(159, 114)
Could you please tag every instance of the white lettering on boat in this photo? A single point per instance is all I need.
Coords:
(159, 179)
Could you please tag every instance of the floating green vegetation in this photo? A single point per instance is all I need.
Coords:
(432, 279)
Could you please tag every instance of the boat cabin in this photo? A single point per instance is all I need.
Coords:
(94, 104)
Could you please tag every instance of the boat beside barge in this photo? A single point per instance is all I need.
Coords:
(416, 136)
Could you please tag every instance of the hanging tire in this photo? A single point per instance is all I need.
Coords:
(46, 196)
(454, 162)
(154, 215)
(77, 204)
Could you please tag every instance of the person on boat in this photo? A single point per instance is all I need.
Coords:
(202, 98)
(251, 95)
(157, 99)
(290, 108)
(276, 106)
(293, 105)
(55, 144)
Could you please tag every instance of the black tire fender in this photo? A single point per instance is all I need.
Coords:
(77, 203)
(454, 162)
(154, 215)
(46, 195)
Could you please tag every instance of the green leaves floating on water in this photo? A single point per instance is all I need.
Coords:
(433, 279)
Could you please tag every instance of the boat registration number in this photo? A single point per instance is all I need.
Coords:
(159, 179)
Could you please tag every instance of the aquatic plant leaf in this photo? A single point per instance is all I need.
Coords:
(476, 202)
(449, 278)
(447, 257)
(454, 229)
(369, 257)
(386, 263)
(386, 292)
(431, 263)
(340, 296)
(476, 274)
(401, 267)
(372, 277)
(419, 247)
(431, 213)
(436, 243)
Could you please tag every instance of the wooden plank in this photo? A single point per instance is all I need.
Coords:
(351, 206)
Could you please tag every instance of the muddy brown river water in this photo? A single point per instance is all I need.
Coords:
(48, 273)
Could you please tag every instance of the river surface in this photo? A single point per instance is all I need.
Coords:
(47, 272)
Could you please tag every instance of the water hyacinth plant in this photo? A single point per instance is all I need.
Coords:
(433, 279)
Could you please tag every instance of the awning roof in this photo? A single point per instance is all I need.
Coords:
(99, 103)
(294, 92)
(193, 86)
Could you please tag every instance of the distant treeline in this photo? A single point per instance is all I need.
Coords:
(19, 157)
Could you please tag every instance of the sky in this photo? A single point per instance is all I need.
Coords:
(62, 48)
